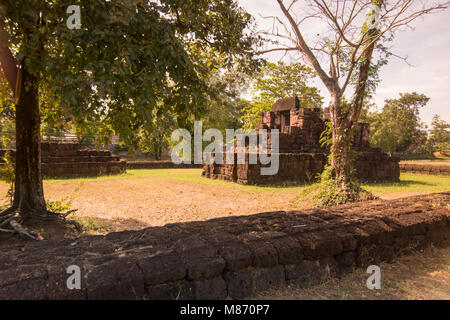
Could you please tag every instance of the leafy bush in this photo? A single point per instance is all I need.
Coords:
(64, 203)
(7, 174)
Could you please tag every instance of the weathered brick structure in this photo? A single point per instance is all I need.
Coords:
(235, 257)
(67, 160)
(301, 155)
(160, 164)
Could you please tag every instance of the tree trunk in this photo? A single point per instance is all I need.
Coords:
(29, 191)
(342, 135)
(340, 157)
(344, 119)
(340, 154)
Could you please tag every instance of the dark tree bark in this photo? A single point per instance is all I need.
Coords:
(159, 152)
(29, 192)
(7, 61)
(345, 119)
(340, 148)
(28, 187)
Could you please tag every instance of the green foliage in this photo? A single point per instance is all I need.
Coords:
(410, 182)
(334, 191)
(91, 225)
(7, 174)
(58, 205)
(129, 57)
(277, 81)
(7, 170)
(154, 137)
(64, 204)
(397, 127)
(326, 137)
(91, 132)
(223, 109)
(440, 135)
(6, 98)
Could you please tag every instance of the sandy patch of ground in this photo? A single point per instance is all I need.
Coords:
(143, 198)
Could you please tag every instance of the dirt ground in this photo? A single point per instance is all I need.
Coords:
(423, 275)
(143, 198)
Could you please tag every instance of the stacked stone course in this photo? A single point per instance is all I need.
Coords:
(67, 160)
(160, 164)
(235, 257)
(301, 156)
(425, 168)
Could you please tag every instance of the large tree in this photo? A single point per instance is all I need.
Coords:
(350, 39)
(276, 81)
(398, 127)
(440, 135)
(126, 59)
(154, 136)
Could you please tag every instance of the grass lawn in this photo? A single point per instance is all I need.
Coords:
(428, 162)
(409, 185)
(434, 156)
(142, 198)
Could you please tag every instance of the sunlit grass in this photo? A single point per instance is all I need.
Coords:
(434, 156)
(408, 182)
(192, 176)
(412, 183)
(428, 162)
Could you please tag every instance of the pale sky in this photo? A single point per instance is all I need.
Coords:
(427, 48)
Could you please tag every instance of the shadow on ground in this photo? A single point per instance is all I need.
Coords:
(421, 275)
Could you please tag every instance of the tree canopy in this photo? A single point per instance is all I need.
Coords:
(346, 54)
(128, 55)
(397, 128)
(125, 63)
(276, 81)
(440, 134)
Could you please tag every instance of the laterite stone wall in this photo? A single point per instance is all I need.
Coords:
(301, 154)
(159, 164)
(234, 257)
(66, 160)
(303, 167)
(425, 169)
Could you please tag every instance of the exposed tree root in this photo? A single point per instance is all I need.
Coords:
(4, 220)
(12, 219)
(21, 230)
(6, 212)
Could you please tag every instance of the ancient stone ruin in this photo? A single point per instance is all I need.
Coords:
(66, 159)
(237, 257)
(301, 155)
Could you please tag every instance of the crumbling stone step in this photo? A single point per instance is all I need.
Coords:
(227, 257)
(82, 169)
(66, 160)
(59, 159)
(302, 167)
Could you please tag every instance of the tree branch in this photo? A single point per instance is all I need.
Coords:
(7, 60)
(276, 49)
(306, 52)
